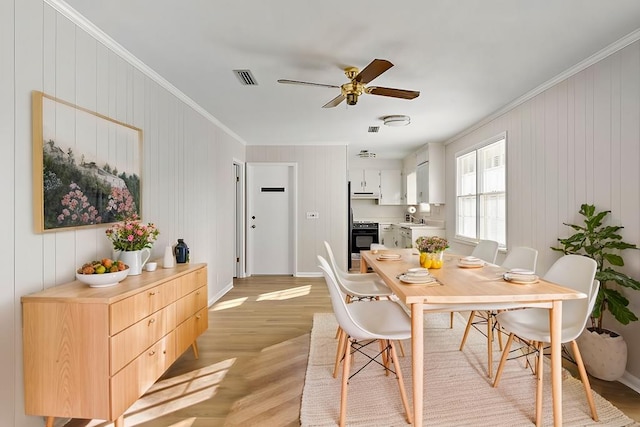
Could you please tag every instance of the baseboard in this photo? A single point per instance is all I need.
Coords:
(630, 381)
(220, 294)
(307, 274)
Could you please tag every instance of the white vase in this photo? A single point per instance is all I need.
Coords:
(135, 260)
(168, 261)
(604, 356)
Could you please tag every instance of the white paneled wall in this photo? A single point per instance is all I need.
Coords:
(576, 142)
(322, 188)
(187, 179)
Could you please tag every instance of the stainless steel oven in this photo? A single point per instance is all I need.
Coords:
(363, 234)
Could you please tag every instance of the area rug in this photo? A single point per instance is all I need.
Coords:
(457, 389)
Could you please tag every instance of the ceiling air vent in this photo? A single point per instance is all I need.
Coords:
(245, 77)
(374, 129)
(366, 154)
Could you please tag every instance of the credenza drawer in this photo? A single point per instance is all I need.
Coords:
(136, 378)
(190, 304)
(130, 310)
(128, 344)
(190, 329)
(193, 281)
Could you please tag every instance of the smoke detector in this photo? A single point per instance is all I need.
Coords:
(366, 154)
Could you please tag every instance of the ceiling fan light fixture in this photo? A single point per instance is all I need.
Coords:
(396, 120)
(352, 98)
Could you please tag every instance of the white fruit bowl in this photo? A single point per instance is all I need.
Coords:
(102, 280)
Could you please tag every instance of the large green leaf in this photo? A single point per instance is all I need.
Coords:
(617, 305)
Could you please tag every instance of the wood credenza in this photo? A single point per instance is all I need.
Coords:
(92, 352)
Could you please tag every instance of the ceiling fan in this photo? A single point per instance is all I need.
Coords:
(357, 84)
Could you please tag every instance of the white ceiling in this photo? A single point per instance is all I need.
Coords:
(468, 58)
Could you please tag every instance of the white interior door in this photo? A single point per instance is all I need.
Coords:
(270, 218)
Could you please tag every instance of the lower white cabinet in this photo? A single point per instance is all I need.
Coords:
(386, 234)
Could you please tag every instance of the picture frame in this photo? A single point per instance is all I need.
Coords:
(87, 167)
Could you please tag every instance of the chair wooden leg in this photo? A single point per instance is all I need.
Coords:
(385, 359)
(499, 333)
(585, 379)
(49, 421)
(539, 373)
(451, 320)
(466, 330)
(503, 359)
(403, 394)
(401, 348)
(489, 345)
(339, 351)
(346, 367)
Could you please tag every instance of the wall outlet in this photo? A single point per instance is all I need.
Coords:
(313, 215)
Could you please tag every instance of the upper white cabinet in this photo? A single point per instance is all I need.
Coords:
(365, 181)
(430, 174)
(390, 187)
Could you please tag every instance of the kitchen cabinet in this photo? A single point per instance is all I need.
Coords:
(409, 234)
(390, 187)
(92, 352)
(430, 176)
(365, 181)
(386, 235)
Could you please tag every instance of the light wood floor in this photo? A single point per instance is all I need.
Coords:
(253, 360)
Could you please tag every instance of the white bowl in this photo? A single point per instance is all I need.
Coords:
(102, 280)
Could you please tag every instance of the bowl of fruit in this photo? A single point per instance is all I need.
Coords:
(102, 273)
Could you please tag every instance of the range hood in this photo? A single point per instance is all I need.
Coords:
(361, 195)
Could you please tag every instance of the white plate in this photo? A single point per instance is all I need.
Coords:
(462, 264)
(416, 280)
(520, 279)
(521, 271)
(418, 270)
(390, 256)
(388, 259)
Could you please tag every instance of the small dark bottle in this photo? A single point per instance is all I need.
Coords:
(182, 252)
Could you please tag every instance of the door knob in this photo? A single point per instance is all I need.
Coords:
(253, 226)
(253, 217)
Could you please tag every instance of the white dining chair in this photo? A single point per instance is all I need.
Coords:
(486, 250)
(519, 257)
(364, 323)
(355, 291)
(358, 285)
(354, 277)
(531, 325)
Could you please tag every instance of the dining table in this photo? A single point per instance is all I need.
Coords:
(460, 288)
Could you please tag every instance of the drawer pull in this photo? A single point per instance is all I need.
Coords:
(152, 320)
(153, 293)
(198, 293)
(198, 316)
(152, 352)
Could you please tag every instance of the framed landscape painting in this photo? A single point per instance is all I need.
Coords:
(86, 166)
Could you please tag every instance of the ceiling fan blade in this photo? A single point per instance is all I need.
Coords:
(296, 82)
(373, 70)
(395, 93)
(334, 102)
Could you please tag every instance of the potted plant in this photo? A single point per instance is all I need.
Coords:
(132, 240)
(603, 243)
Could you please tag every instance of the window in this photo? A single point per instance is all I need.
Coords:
(481, 192)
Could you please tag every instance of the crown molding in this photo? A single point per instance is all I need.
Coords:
(74, 16)
(580, 66)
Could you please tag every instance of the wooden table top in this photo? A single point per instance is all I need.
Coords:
(462, 285)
